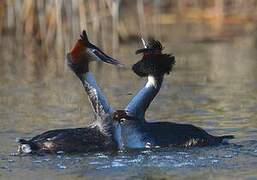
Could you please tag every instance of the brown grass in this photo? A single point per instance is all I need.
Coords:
(44, 30)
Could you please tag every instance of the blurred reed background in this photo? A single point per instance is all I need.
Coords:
(36, 34)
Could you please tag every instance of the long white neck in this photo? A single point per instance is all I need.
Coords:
(141, 101)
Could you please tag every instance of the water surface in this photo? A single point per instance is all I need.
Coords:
(214, 86)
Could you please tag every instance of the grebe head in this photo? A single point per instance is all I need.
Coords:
(84, 51)
(153, 62)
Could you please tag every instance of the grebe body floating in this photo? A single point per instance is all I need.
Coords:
(134, 130)
(94, 138)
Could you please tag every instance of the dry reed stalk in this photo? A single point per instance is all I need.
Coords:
(54, 25)
(93, 10)
(104, 25)
(156, 18)
(28, 17)
(2, 13)
(75, 19)
(141, 18)
(181, 8)
(18, 20)
(82, 15)
(59, 35)
(66, 26)
(115, 26)
(41, 18)
(10, 22)
(218, 12)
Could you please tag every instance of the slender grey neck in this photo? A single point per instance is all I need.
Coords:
(96, 97)
(141, 101)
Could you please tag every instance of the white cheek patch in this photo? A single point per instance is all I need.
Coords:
(151, 82)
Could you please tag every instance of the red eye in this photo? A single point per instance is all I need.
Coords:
(146, 54)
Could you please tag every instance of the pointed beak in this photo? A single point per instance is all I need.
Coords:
(101, 56)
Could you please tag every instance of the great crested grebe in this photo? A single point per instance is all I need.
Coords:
(97, 137)
(132, 131)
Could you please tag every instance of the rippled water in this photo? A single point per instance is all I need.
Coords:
(214, 86)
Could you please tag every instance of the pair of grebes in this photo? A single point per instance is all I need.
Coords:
(120, 129)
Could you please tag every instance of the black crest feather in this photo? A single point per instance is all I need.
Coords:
(154, 64)
(84, 38)
(153, 44)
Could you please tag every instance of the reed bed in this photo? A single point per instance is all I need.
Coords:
(41, 31)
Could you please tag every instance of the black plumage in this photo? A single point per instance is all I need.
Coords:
(88, 139)
(154, 64)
